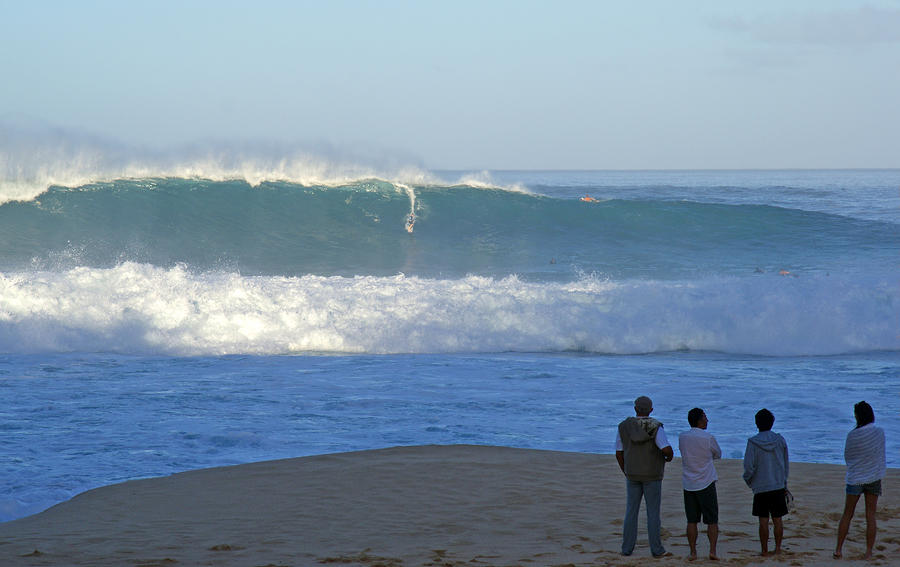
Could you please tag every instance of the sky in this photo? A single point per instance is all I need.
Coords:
(470, 84)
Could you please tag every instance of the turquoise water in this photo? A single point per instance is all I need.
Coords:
(155, 324)
(288, 229)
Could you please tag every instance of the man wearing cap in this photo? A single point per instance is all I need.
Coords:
(642, 451)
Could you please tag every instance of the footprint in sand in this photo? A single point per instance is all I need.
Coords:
(157, 563)
(225, 547)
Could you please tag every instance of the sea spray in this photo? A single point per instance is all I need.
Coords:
(36, 157)
(141, 309)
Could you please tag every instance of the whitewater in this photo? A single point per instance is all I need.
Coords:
(161, 316)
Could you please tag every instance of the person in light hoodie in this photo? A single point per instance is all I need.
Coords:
(866, 466)
(766, 473)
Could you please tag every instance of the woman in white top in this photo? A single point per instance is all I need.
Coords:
(866, 466)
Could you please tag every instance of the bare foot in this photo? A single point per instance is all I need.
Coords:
(837, 555)
(692, 556)
(868, 555)
(713, 557)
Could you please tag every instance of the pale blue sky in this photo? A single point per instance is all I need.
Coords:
(488, 84)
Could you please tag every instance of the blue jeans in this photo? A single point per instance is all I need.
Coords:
(651, 492)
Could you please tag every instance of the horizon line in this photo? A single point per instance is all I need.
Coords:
(663, 169)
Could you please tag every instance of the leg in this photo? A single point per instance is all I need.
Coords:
(633, 495)
(652, 497)
(871, 527)
(692, 540)
(778, 530)
(692, 510)
(711, 518)
(844, 525)
(764, 535)
(712, 532)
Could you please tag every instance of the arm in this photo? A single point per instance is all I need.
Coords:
(716, 450)
(620, 451)
(662, 442)
(787, 464)
(749, 463)
(846, 448)
(668, 453)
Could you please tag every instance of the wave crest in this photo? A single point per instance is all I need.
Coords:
(33, 159)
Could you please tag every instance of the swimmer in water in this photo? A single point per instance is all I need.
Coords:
(588, 199)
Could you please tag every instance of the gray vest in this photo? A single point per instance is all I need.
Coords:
(644, 461)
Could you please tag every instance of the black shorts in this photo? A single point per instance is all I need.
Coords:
(702, 503)
(770, 503)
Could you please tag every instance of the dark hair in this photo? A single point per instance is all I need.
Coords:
(694, 416)
(864, 414)
(764, 420)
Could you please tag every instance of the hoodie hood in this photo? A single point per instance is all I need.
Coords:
(767, 440)
(766, 462)
(641, 429)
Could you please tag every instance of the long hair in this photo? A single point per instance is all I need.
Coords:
(863, 413)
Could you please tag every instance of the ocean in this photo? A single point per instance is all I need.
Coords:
(161, 320)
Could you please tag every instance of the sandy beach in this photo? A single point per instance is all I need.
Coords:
(427, 505)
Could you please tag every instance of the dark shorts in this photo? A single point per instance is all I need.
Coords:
(770, 503)
(702, 503)
(868, 488)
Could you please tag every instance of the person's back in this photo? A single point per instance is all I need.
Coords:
(643, 459)
(642, 451)
(766, 462)
(865, 457)
(864, 454)
(698, 449)
(766, 473)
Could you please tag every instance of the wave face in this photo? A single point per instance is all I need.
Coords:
(188, 266)
(359, 229)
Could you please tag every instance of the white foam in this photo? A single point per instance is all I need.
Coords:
(142, 309)
(484, 180)
(25, 181)
(32, 161)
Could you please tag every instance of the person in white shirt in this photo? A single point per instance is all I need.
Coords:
(698, 448)
(866, 466)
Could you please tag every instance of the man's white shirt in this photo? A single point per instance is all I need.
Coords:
(698, 448)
